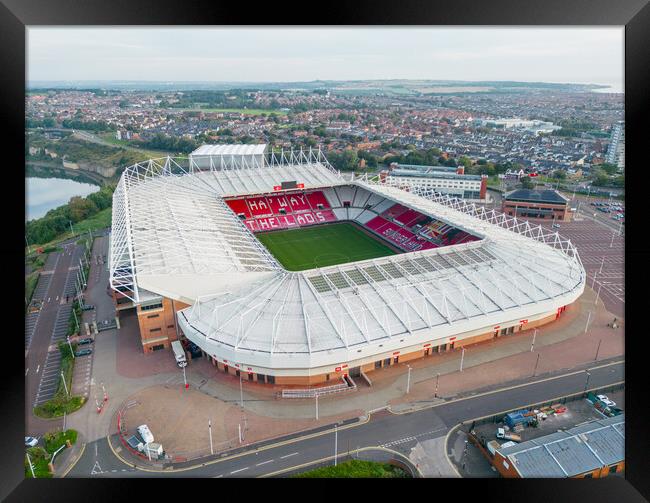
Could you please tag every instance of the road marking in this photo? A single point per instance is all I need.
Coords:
(349, 426)
(240, 470)
(96, 465)
(265, 462)
(37, 369)
(289, 455)
(26, 371)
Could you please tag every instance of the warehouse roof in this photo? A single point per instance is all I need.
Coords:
(536, 196)
(572, 452)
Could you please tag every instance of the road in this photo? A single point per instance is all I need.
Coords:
(398, 432)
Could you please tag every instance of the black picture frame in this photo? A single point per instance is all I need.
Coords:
(15, 15)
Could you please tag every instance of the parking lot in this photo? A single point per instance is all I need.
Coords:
(601, 248)
(59, 302)
(469, 460)
(49, 378)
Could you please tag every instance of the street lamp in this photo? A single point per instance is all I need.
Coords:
(435, 394)
(210, 431)
(336, 440)
(533, 343)
(462, 357)
(70, 345)
(241, 392)
(408, 380)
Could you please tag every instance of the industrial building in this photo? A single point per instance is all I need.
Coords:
(184, 253)
(542, 204)
(592, 450)
(447, 180)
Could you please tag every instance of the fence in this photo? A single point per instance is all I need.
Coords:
(314, 392)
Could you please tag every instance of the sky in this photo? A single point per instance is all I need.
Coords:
(284, 54)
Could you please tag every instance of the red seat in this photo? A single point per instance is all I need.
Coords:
(316, 198)
(279, 202)
(239, 207)
(259, 206)
(298, 202)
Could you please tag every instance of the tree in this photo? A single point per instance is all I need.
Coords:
(345, 161)
(609, 168)
(559, 174)
(527, 183)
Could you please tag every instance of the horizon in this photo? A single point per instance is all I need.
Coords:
(575, 55)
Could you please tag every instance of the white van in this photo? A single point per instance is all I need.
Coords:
(145, 433)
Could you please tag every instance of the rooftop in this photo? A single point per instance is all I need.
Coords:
(243, 149)
(536, 196)
(572, 452)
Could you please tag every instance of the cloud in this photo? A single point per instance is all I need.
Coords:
(563, 54)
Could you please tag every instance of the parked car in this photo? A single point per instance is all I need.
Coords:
(31, 441)
(87, 340)
(87, 307)
(145, 433)
(606, 401)
(556, 226)
(83, 352)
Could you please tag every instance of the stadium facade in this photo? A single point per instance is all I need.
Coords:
(184, 253)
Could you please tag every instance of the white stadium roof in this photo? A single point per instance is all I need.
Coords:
(174, 235)
(219, 150)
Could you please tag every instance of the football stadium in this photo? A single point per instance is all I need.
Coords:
(285, 271)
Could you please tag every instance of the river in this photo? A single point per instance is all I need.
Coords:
(44, 194)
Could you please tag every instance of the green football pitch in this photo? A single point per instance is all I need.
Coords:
(323, 245)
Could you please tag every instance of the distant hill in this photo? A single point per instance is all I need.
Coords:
(389, 87)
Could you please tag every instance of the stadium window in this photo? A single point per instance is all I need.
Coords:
(378, 364)
(320, 206)
(270, 379)
(504, 331)
(170, 326)
(157, 347)
(154, 330)
(153, 316)
(346, 204)
(387, 362)
(613, 469)
(327, 377)
(151, 306)
(283, 211)
(237, 373)
(589, 475)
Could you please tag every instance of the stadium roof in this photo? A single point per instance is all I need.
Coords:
(174, 235)
(573, 452)
(218, 150)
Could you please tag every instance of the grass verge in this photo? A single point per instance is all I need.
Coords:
(40, 457)
(356, 469)
(31, 280)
